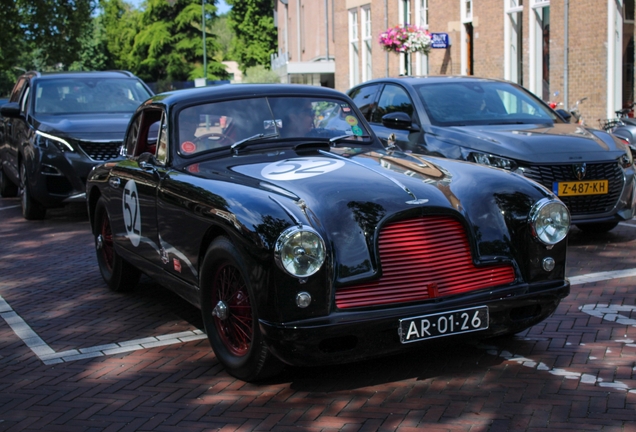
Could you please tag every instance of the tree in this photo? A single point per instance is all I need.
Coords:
(260, 74)
(55, 27)
(12, 45)
(169, 43)
(252, 21)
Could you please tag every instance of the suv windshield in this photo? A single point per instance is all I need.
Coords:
(221, 124)
(481, 103)
(89, 95)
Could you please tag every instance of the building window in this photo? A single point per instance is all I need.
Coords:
(540, 49)
(367, 72)
(354, 49)
(422, 16)
(466, 9)
(513, 32)
(405, 18)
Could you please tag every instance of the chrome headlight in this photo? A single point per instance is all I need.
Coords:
(492, 160)
(300, 251)
(549, 220)
(44, 140)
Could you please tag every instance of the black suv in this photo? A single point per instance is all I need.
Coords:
(57, 127)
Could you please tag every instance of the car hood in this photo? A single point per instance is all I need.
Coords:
(559, 142)
(98, 126)
(348, 197)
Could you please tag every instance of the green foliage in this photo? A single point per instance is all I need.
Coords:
(221, 32)
(260, 74)
(11, 47)
(252, 21)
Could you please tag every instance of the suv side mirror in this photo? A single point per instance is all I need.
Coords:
(399, 120)
(564, 114)
(11, 109)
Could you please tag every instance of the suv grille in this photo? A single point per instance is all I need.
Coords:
(586, 204)
(422, 259)
(101, 151)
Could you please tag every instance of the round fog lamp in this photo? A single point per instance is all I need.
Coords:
(303, 299)
(548, 264)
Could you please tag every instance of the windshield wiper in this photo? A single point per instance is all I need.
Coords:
(337, 139)
(237, 145)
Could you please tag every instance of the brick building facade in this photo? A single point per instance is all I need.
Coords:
(335, 43)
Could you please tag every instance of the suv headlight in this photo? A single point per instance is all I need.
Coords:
(44, 140)
(492, 160)
(300, 251)
(549, 221)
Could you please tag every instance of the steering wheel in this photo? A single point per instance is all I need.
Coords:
(213, 140)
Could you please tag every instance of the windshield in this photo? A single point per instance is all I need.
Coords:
(222, 124)
(89, 95)
(481, 103)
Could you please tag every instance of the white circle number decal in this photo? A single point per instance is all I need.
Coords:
(296, 169)
(132, 217)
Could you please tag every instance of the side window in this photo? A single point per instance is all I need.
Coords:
(393, 99)
(17, 90)
(364, 97)
(24, 103)
(162, 143)
(131, 136)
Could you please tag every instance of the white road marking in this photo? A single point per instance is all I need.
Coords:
(48, 356)
(10, 207)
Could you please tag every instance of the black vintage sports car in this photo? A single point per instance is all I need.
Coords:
(57, 127)
(311, 245)
(501, 124)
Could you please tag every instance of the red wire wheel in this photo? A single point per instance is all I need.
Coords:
(236, 328)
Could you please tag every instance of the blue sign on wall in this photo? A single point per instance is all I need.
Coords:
(440, 40)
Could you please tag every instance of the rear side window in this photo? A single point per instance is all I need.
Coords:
(393, 99)
(364, 97)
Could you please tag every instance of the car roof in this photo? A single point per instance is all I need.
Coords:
(233, 91)
(44, 76)
(430, 79)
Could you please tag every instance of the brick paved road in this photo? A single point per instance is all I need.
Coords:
(76, 357)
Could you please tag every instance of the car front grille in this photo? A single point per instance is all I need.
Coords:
(422, 259)
(101, 151)
(585, 204)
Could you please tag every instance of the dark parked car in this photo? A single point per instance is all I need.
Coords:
(57, 127)
(312, 245)
(501, 124)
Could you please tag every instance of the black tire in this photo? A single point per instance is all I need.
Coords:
(7, 188)
(31, 209)
(597, 228)
(234, 336)
(119, 275)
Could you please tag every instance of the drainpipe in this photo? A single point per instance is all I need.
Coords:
(298, 30)
(566, 47)
(386, 25)
(327, 28)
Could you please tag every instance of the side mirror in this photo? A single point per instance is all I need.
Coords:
(11, 109)
(399, 120)
(564, 114)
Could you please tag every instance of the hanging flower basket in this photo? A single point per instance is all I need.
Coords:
(406, 39)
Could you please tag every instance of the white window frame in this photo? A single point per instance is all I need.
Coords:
(513, 51)
(535, 66)
(614, 57)
(354, 48)
(367, 44)
(466, 7)
(421, 60)
(405, 18)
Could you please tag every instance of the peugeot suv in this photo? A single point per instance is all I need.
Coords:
(57, 127)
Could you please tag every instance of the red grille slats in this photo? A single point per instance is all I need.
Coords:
(421, 259)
